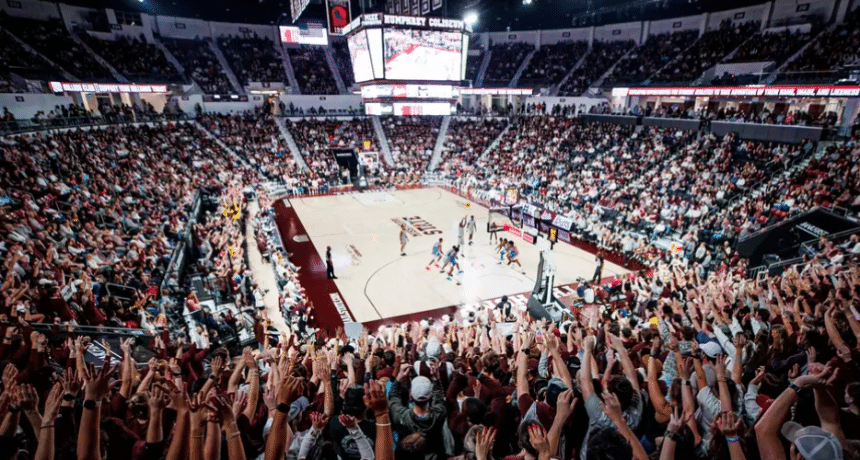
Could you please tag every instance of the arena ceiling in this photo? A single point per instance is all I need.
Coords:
(494, 15)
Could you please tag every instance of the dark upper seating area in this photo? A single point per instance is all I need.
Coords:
(252, 59)
(551, 63)
(137, 60)
(200, 64)
(343, 61)
(645, 60)
(312, 71)
(777, 47)
(53, 40)
(504, 62)
(599, 59)
(823, 60)
(708, 50)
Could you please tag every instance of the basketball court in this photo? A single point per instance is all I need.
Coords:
(376, 282)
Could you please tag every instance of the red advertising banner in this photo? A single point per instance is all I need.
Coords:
(528, 238)
(743, 91)
(513, 230)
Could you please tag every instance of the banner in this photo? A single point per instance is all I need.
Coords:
(562, 222)
(339, 15)
(513, 230)
(416, 7)
(64, 87)
(743, 91)
(437, 4)
(425, 6)
(312, 34)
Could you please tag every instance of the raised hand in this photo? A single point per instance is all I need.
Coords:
(565, 404)
(157, 399)
(96, 381)
(248, 358)
(217, 366)
(9, 376)
(537, 438)
(720, 367)
(270, 398)
(730, 425)
(52, 404)
(290, 390)
(843, 352)
(198, 409)
(374, 398)
(484, 440)
(221, 407)
(28, 398)
(239, 403)
(614, 342)
(177, 392)
(348, 421)
(612, 407)
(318, 420)
(71, 382)
(677, 420)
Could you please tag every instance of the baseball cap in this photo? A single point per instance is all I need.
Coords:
(433, 349)
(813, 442)
(711, 349)
(421, 389)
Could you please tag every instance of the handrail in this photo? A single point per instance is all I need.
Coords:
(30, 125)
(96, 330)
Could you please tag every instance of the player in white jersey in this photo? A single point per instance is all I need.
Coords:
(436, 253)
(471, 227)
(403, 240)
(461, 227)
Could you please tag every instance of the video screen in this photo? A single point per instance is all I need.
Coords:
(359, 52)
(412, 54)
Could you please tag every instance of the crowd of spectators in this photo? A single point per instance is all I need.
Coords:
(101, 206)
(134, 58)
(772, 46)
(600, 58)
(650, 57)
(552, 62)
(16, 59)
(695, 361)
(312, 70)
(317, 137)
(505, 59)
(708, 50)
(343, 61)
(52, 40)
(466, 140)
(833, 50)
(253, 59)
(411, 140)
(200, 64)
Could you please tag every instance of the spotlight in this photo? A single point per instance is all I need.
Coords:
(470, 18)
(527, 2)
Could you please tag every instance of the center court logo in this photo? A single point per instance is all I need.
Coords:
(416, 226)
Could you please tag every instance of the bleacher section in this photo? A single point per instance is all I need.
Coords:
(201, 64)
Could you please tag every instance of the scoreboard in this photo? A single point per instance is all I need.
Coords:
(408, 65)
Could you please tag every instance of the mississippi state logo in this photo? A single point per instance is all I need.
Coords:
(339, 17)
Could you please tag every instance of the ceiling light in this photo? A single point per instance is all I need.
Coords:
(470, 18)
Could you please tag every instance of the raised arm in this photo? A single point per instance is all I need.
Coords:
(89, 434)
(45, 451)
(280, 435)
